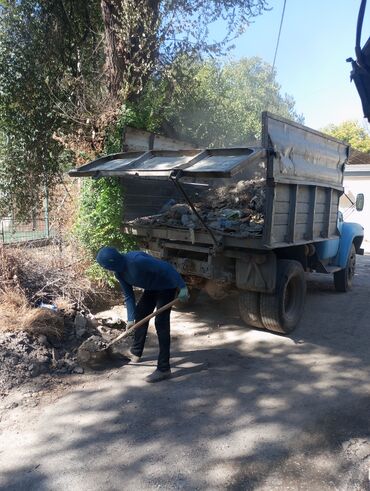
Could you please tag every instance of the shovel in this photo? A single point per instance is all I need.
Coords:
(94, 351)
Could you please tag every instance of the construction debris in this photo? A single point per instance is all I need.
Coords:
(236, 210)
(94, 343)
(26, 354)
(45, 316)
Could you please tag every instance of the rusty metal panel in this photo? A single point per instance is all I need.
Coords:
(212, 163)
(224, 162)
(108, 165)
(160, 162)
(195, 163)
(301, 154)
(302, 213)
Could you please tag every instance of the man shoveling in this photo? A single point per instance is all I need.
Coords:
(160, 282)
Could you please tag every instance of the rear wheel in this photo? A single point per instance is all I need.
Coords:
(249, 307)
(343, 279)
(281, 311)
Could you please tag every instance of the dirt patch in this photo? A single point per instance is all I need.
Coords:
(26, 356)
(45, 315)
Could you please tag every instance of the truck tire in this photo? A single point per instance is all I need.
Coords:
(249, 308)
(281, 311)
(193, 296)
(343, 278)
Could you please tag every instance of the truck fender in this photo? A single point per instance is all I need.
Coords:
(351, 232)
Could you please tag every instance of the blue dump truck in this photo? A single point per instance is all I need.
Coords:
(251, 220)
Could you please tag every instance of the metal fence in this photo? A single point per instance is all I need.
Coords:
(14, 231)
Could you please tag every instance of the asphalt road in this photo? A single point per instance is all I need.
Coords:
(245, 410)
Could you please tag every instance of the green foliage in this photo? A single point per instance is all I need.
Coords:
(212, 104)
(57, 69)
(352, 133)
(99, 222)
(41, 42)
(145, 36)
(29, 153)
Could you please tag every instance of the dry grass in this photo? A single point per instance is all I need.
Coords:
(16, 314)
(52, 274)
(9, 269)
(55, 274)
(65, 305)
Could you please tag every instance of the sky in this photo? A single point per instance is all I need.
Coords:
(317, 36)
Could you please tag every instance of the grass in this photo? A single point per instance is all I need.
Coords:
(16, 314)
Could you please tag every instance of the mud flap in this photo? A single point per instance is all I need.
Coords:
(256, 272)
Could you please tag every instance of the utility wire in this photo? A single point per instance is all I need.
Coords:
(278, 39)
(268, 95)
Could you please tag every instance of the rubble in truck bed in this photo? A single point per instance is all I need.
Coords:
(236, 209)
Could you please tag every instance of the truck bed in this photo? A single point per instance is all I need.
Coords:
(302, 170)
(294, 214)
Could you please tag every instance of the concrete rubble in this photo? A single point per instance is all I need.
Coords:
(24, 357)
(236, 209)
(111, 319)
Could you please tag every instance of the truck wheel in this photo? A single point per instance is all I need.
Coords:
(343, 278)
(249, 308)
(281, 312)
(193, 296)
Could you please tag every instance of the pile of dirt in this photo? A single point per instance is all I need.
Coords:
(45, 315)
(236, 210)
(25, 355)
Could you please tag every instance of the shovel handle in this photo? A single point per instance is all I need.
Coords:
(140, 323)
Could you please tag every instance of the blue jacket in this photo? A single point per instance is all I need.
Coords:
(147, 272)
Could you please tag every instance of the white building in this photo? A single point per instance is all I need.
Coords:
(356, 181)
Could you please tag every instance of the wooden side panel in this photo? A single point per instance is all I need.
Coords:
(303, 213)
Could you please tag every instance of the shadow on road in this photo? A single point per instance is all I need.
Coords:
(276, 413)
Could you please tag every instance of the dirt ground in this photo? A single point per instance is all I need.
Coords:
(245, 409)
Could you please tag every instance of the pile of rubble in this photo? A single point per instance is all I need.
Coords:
(236, 210)
(45, 316)
(24, 356)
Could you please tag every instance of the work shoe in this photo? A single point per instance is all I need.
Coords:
(133, 358)
(157, 376)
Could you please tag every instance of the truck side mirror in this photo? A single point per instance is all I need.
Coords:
(360, 202)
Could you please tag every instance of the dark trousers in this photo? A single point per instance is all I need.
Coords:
(149, 300)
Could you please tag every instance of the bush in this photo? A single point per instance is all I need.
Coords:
(99, 222)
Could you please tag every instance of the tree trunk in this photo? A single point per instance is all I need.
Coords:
(131, 44)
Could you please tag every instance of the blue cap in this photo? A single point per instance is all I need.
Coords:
(110, 258)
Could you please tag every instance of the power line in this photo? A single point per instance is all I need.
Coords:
(278, 39)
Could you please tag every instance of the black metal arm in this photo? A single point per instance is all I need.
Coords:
(175, 178)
